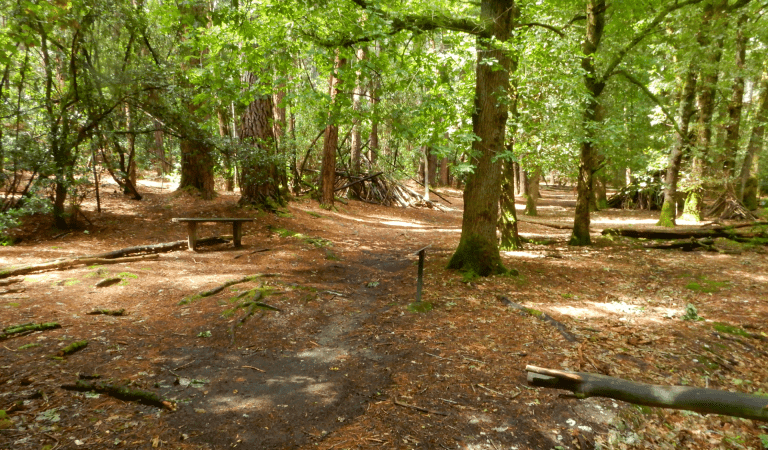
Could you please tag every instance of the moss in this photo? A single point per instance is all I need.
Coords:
(750, 194)
(729, 329)
(692, 209)
(667, 216)
(420, 307)
(477, 255)
(315, 215)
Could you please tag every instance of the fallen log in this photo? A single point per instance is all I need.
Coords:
(701, 400)
(67, 263)
(728, 231)
(122, 393)
(107, 312)
(72, 348)
(156, 248)
(686, 245)
(570, 337)
(11, 281)
(27, 328)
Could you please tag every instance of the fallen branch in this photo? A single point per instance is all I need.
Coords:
(252, 306)
(72, 348)
(122, 393)
(570, 337)
(157, 248)
(677, 233)
(27, 328)
(108, 312)
(558, 226)
(251, 253)
(220, 288)
(11, 281)
(419, 408)
(12, 291)
(685, 245)
(108, 282)
(701, 400)
(67, 263)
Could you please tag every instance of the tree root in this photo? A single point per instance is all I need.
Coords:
(704, 401)
(67, 263)
(27, 328)
(217, 289)
(122, 393)
(108, 312)
(72, 348)
(570, 337)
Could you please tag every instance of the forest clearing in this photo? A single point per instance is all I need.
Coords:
(348, 360)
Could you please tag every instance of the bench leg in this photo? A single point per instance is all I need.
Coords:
(237, 233)
(192, 231)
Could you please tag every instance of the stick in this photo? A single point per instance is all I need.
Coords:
(122, 393)
(27, 328)
(67, 263)
(358, 181)
(701, 400)
(570, 337)
(419, 408)
(107, 312)
(251, 253)
(220, 288)
(254, 368)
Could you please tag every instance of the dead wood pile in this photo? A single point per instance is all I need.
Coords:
(380, 188)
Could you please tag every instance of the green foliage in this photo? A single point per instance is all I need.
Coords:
(691, 313)
(705, 285)
(420, 307)
(730, 329)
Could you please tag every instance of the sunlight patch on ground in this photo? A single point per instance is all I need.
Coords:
(594, 310)
(624, 221)
(239, 403)
(522, 254)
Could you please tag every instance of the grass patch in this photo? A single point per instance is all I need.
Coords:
(315, 215)
(420, 307)
(316, 241)
(706, 286)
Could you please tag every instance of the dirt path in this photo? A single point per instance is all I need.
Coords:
(345, 363)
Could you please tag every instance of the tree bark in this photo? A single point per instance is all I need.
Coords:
(735, 106)
(510, 238)
(705, 401)
(595, 85)
(668, 215)
(357, 136)
(331, 138)
(259, 171)
(756, 137)
(705, 101)
(478, 249)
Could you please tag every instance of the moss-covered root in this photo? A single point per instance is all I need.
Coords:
(122, 393)
(667, 216)
(108, 312)
(479, 256)
(693, 205)
(217, 289)
(27, 327)
(72, 348)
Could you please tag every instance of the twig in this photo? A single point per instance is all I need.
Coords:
(489, 390)
(251, 253)
(185, 365)
(438, 357)
(473, 360)
(419, 408)
(254, 368)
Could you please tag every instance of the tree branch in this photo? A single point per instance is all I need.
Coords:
(634, 80)
(642, 34)
(543, 25)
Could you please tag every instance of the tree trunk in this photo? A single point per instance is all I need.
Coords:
(594, 33)
(668, 215)
(357, 137)
(331, 138)
(735, 106)
(373, 146)
(533, 193)
(279, 125)
(444, 173)
(756, 137)
(478, 249)
(431, 166)
(259, 172)
(197, 161)
(510, 239)
(224, 133)
(705, 101)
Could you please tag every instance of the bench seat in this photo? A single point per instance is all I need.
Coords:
(237, 227)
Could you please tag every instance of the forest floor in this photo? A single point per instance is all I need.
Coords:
(348, 361)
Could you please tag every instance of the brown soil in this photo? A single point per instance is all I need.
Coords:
(346, 363)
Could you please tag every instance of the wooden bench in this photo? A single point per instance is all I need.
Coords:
(237, 227)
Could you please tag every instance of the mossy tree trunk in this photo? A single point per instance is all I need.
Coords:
(510, 238)
(668, 215)
(755, 138)
(478, 249)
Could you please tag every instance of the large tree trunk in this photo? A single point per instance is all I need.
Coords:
(733, 128)
(668, 215)
(197, 161)
(373, 146)
(331, 138)
(279, 126)
(705, 101)
(594, 33)
(259, 173)
(756, 138)
(478, 249)
(224, 133)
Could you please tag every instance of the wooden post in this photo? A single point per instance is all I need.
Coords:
(419, 280)
(192, 231)
(237, 232)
